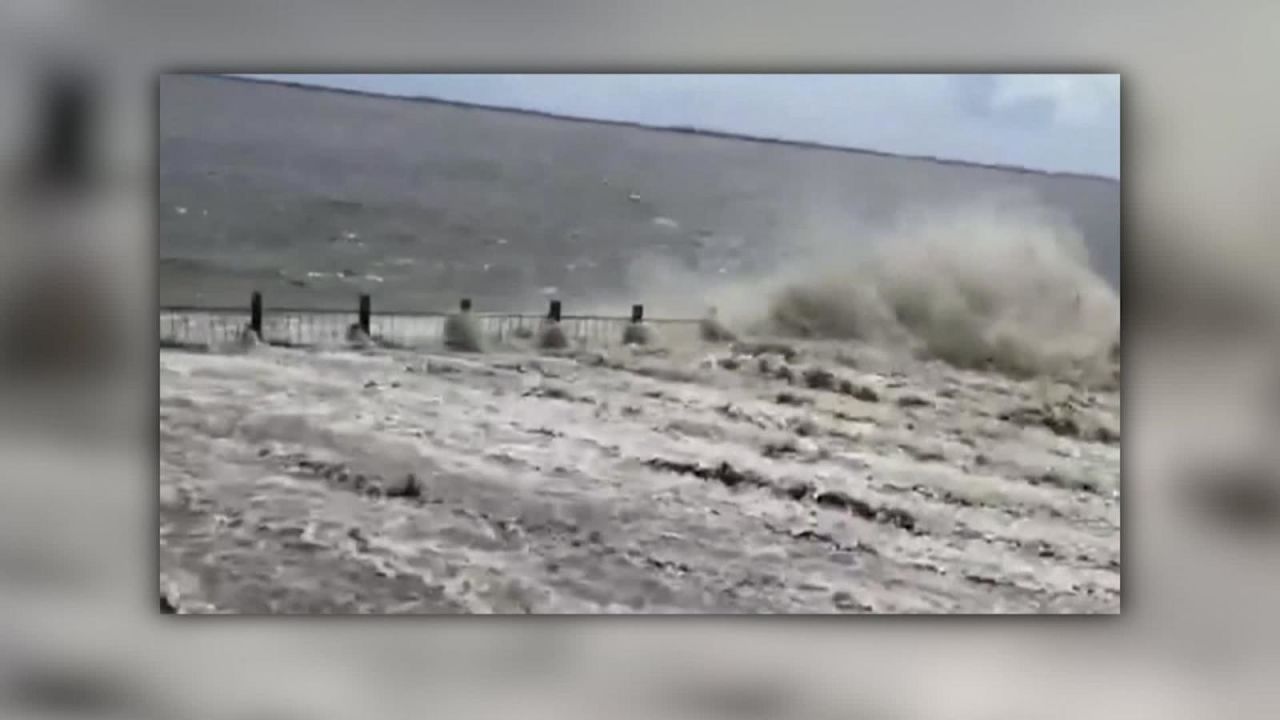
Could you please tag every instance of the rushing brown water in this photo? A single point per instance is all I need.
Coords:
(700, 480)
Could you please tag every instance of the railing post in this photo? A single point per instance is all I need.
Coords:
(637, 313)
(255, 313)
(553, 312)
(366, 312)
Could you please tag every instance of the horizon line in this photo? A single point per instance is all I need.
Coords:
(682, 129)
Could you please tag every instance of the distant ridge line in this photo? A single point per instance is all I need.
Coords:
(685, 130)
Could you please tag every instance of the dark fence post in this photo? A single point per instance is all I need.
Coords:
(637, 313)
(554, 312)
(465, 305)
(366, 312)
(255, 313)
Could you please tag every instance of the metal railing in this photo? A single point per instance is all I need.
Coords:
(210, 327)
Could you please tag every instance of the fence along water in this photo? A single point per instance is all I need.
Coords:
(210, 327)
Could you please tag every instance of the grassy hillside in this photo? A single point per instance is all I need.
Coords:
(421, 202)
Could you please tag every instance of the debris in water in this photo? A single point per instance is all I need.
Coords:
(786, 398)
(907, 401)
(819, 379)
(788, 352)
(410, 488)
(845, 601)
(862, 392)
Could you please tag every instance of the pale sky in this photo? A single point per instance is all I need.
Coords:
(1050, 122)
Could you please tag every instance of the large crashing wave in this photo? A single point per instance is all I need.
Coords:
(1008, 288)
(1001, 283)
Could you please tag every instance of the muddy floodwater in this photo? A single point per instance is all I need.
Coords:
(805, 478)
